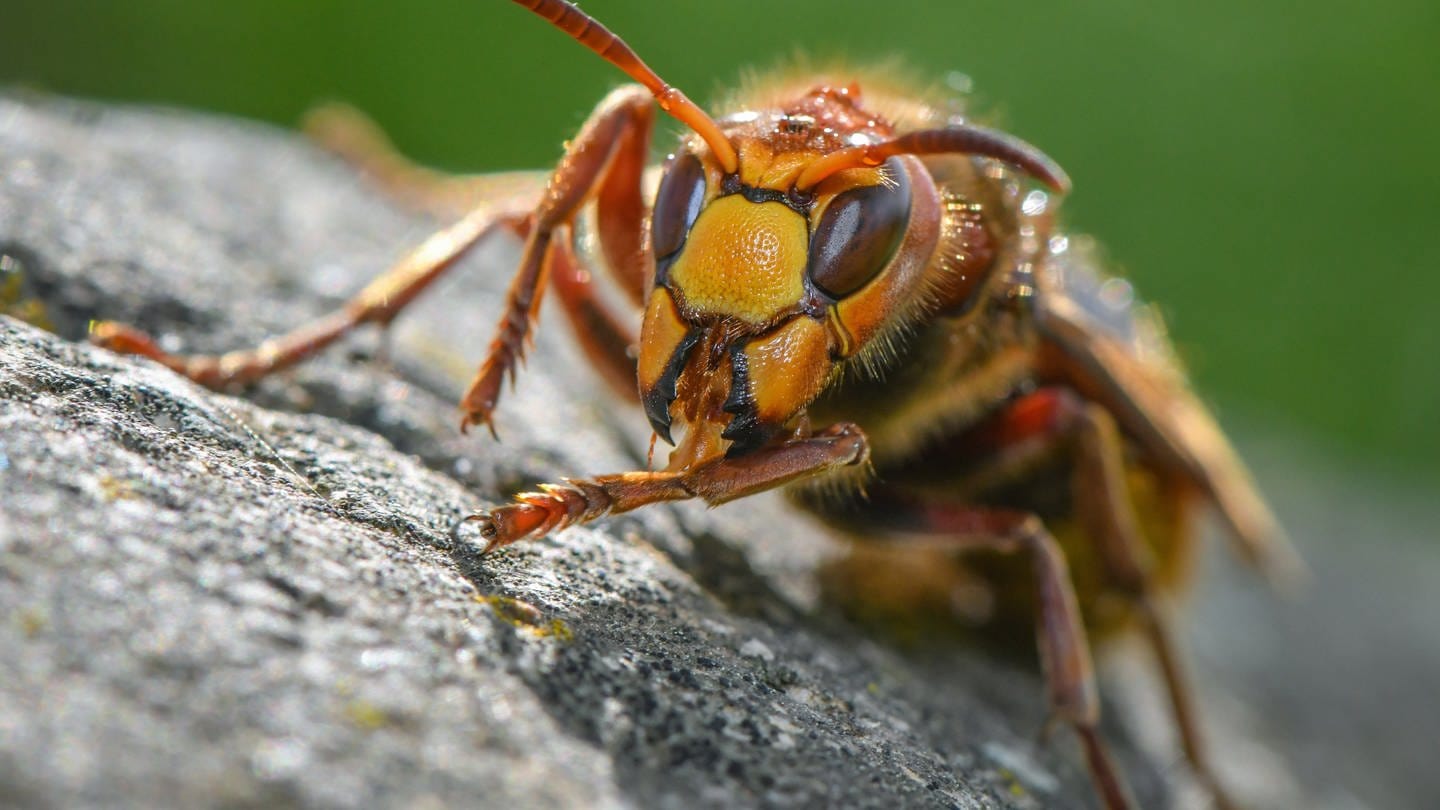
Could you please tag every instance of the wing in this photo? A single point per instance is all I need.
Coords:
(1115, 350)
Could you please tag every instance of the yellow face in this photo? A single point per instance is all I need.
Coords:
(743, 260)
(760, 291)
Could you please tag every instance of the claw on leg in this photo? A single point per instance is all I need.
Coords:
(536, 514)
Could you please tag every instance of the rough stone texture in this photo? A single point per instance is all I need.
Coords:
(211, 601)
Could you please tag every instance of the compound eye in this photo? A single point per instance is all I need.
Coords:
(677, 204)
(859, 232)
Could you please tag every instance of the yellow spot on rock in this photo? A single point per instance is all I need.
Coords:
(113, 489)
(32, 621)
(525, 616)
(366, 715)
(1012, 783)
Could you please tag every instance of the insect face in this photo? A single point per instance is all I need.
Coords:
(762, 289)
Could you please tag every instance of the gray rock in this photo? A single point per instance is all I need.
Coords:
(214, 601)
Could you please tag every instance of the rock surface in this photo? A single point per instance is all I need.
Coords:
(211, 601)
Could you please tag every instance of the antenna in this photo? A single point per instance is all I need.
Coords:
(960, 139)
(592, 34)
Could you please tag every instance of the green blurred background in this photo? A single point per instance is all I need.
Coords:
(1268, 174)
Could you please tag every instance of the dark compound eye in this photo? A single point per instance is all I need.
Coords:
(677, 204)
(859, 233)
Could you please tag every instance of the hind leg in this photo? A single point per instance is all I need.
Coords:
(1059, 632)
(1104, 504)
(1056, 419)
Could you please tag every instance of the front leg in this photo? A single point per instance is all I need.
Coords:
(556, 506)
(592, 157)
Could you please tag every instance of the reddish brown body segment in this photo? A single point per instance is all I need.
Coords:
(844, 285)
